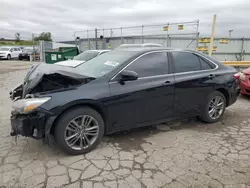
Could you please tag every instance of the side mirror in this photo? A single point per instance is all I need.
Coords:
(127, 75)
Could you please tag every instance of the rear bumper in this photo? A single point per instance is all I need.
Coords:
(234, 93)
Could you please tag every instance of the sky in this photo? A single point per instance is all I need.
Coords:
(63, 17)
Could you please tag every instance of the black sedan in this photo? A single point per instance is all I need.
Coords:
(119, 90)
(27, 52)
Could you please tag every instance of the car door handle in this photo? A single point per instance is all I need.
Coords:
(211, 76)
(167, 83)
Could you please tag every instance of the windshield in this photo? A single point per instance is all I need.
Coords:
(4, 49)
(87, 55)
(105, 63)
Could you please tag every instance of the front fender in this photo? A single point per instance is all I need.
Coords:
(51, 121)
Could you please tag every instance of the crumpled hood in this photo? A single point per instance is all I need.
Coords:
(37, 71)
(70, 63)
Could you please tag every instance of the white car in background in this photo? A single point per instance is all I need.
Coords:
(9, 52)
(82, 57)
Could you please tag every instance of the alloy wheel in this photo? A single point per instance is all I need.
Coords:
(216, 107)
(81, 132)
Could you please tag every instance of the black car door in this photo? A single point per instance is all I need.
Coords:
(147, 99)
(193, 76)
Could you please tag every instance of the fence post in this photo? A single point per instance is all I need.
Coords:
(242, 49)
(42, 51)
(121, 36)
(96, 43)
(142, 34)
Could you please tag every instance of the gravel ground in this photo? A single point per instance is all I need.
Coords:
(184, 153)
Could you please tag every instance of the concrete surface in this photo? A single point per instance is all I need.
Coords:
(185, 153)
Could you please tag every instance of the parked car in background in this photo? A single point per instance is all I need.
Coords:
(119, 90)
(244, 81)
(82, 57)
(25, 54)
(9, 52)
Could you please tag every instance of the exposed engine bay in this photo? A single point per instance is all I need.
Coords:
(54, 82)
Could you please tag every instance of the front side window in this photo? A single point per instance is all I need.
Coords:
(152, 64)
(186, 62)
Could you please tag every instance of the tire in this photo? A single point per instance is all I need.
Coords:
(205, 116)
(20, 58)
(64, 122)
(8, 57)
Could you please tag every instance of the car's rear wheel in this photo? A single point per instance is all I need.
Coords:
(214, 107)
(8, 57)
(79, 130)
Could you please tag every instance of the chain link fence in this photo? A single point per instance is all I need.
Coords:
(110, 38)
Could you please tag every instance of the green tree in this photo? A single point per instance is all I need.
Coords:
(46, 36)
(17, 37)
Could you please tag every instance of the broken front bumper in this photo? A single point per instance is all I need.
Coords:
(28, 125)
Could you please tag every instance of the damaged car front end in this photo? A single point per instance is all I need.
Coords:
(29, 117)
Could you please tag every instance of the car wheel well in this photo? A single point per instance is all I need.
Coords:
(225, 93)
(93, 106)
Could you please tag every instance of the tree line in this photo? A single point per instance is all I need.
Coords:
(46, 36)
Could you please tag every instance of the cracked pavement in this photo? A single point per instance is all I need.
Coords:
(185, 153)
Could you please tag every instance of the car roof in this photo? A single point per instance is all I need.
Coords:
(149, 49)
(143, 50)
(97, 51)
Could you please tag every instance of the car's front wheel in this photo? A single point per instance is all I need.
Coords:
(8, 57)
(214, 107)
(79, 130)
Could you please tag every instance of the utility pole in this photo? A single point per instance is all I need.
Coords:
(212, 37)
(33, 43)
(230, 32)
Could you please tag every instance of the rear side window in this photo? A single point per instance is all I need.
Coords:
(152, 64)
(186, 62)
(205, 65)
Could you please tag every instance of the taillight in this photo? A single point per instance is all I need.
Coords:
(237, 76)
(240, 76)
